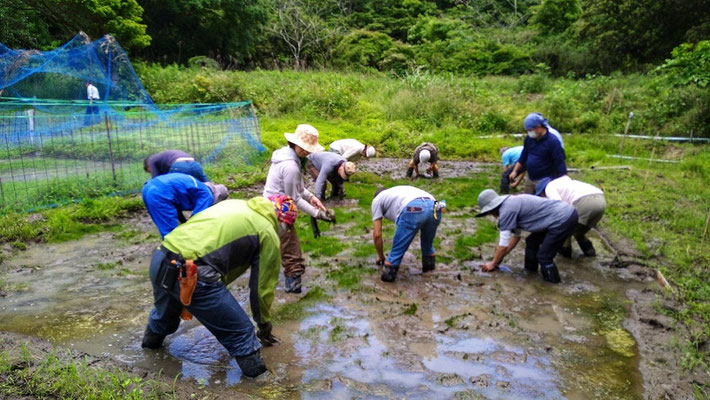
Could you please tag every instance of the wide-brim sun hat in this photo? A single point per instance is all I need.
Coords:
(306, 137)
(541, 185)
(489, 200)
(349, 168)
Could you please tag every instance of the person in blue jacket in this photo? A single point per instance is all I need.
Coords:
(167, 196)
(509, 156)
(543, 155)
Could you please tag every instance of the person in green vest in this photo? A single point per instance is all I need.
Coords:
(223, 242)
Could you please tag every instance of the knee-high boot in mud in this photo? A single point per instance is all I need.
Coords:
(389, 273)
(530, 264)
(550, 273)
(587, 248)
(428, 263)
(151, 340)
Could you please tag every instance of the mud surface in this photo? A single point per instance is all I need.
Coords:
(455, 332)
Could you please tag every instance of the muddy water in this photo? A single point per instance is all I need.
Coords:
(453, 333)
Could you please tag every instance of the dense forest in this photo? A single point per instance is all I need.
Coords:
(503, 37)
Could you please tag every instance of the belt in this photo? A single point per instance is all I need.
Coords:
(182, 159)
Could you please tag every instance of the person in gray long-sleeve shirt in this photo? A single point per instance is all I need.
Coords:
(331, 167)
(285, 177)
(550, 223)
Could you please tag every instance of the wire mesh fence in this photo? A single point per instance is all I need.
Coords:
(49, 158)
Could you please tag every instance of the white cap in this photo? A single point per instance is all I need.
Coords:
(370, 152)
(424, 156)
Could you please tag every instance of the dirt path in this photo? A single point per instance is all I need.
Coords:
(453, 333)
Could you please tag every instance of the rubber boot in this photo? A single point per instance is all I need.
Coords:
(531, 265)
(151, 340)
(410, 172)
(428, 263)
(550, 273)
(252, 365)
(293, 284)
(389, 273)
(565, 251)
(587, 248)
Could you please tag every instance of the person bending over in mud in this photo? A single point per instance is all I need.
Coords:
(509, 156)
(589, 202)
(330, 167)
(285, 178)
(413, 210)
(167, 196)
(174, 161)
(425, 152)
(351, 149)
(550, 223)
(222, 243)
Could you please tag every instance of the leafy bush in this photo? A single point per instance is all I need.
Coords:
(690, 64)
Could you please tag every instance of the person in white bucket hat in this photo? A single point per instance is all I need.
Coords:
(352, 149)
(285, 178)
(424, 153)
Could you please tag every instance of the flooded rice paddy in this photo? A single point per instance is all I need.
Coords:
(453, 333)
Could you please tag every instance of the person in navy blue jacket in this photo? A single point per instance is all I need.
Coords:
(543, 155)
(167, 196)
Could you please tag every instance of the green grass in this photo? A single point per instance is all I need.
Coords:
(299, 308)
(486, 232)
(28, 375)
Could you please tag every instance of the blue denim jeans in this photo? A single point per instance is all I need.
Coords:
(212, 304)
(191, 168)
(418, 215)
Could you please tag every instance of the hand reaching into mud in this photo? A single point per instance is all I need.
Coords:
(315, 202)
(380, 261)
(488, 267)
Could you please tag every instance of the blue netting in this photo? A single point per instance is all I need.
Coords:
(56, 146)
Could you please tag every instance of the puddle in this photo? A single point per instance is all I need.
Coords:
(452, 333)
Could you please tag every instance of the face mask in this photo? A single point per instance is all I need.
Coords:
(532, 134)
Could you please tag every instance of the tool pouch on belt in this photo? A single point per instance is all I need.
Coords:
(185, 315)
(188, 281)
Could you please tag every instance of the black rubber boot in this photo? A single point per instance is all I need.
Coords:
(293, 284)
(565, 251)
(389, 273)
(531, 265)
(151, 340)
(428, 263)
(410, 172)
(587, 248)
(252, 365)
(550, 273)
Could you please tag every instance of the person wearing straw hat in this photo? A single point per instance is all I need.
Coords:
(587, 199)
(351, 149)
(424, 153)
(543, 153)
(222, 243)
(326, 166)
(174, 161)
(549, 222)
(285, 177)
(167, 196)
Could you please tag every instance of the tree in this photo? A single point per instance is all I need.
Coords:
(221, 29)
(555, 16)
(51, 22)
(495, 13)
(299, 25)
(624, 32)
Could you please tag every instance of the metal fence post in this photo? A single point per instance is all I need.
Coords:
(110, 149)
